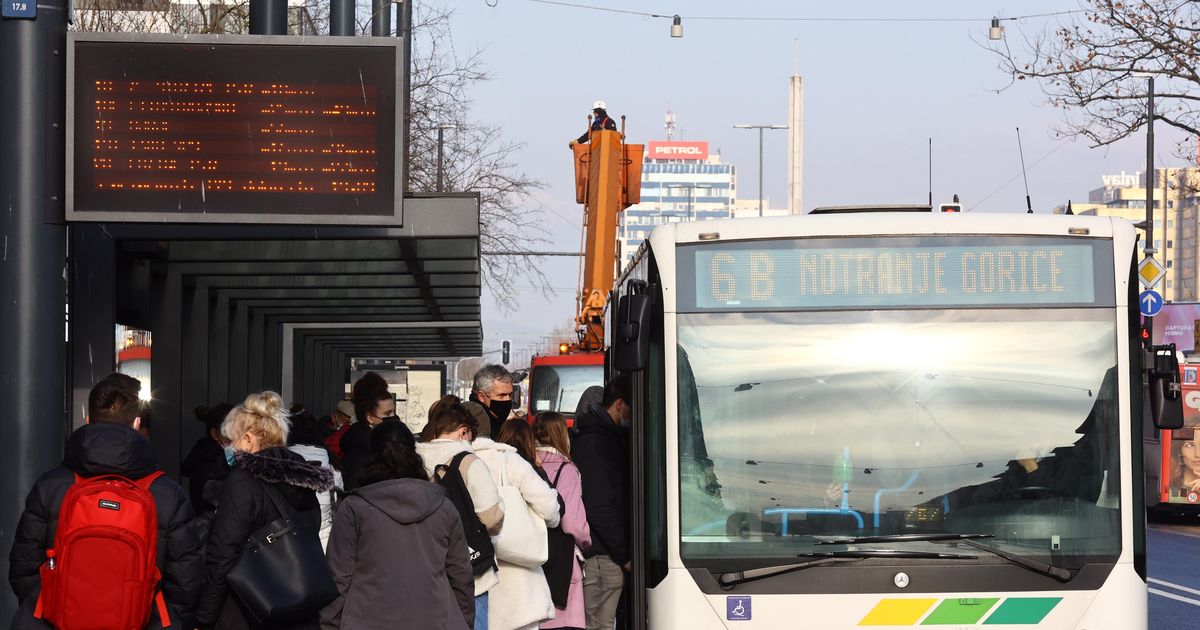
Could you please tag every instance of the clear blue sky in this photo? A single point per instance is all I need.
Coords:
(874, 94)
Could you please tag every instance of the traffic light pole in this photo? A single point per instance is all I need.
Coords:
(32, 258)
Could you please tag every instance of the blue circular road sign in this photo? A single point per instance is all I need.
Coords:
(1150, 303)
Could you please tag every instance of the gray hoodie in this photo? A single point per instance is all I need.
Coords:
(398, 552)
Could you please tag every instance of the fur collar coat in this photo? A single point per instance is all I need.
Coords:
(242, 508)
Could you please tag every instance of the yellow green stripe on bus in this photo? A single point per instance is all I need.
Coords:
(1016, 611)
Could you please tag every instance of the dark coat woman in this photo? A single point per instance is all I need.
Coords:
(257, 430)
(398, 553)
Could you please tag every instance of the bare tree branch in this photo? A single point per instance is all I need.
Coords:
(1091, 66)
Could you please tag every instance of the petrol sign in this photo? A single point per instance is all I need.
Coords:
(676, 150)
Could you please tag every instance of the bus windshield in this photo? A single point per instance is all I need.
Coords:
(799, 424)
(559, 387)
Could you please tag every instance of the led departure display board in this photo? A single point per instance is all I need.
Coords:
(894, 273)
(234, 129)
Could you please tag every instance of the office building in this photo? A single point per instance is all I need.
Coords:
(1175, 221)
(681, 181)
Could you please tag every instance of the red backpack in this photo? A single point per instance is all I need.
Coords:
(102, 573)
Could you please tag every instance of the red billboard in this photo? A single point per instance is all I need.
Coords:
(677, 150)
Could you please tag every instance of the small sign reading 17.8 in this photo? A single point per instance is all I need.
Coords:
(24, 9)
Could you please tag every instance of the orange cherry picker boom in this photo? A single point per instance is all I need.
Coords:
(608, 179)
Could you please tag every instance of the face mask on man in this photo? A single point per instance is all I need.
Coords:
(500, 408)
(389, 419)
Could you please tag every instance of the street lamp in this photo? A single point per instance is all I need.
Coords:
(760, 129)
(996, 32)
(441, 141)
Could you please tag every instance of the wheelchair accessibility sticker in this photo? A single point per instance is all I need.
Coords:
(737, 608)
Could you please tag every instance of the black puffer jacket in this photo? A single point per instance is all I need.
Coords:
(204, 464)
(105, 448)
(243, 507)
(600, 451)
(356, 442)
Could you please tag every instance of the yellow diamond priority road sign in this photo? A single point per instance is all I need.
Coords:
(1151, 272)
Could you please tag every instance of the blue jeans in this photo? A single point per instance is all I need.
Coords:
(481, 612)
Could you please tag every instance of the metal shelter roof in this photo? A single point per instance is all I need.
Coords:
(323, 295)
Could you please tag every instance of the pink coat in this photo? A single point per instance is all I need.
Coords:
(574, 522)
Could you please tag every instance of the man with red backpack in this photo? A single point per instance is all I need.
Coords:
(106, 527)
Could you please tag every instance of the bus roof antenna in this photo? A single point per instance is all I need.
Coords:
(931, 172)
(1021, 151)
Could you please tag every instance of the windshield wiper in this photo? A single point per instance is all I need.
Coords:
(848, 540)
(1057, 573)
(966, 539)
(733, 578)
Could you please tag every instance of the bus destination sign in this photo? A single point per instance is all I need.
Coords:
(234, 129)
(923, 275)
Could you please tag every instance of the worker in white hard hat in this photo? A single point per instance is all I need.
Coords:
(600, 120)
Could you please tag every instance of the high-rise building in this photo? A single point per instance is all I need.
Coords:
(1176, 196)
(681, 181)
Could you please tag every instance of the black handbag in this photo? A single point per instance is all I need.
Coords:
(561, 561)
(282, 573)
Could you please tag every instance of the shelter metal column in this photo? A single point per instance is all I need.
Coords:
(238, 339)
(305, 367)
(32, 288)
(254, 355)
(166, 303)
(273, 355)
(218, 352)
(195, 359)
(93, 313)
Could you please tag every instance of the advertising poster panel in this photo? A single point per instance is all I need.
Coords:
(1183, 462)
(1178, 324)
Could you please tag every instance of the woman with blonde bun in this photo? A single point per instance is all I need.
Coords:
(257, 432)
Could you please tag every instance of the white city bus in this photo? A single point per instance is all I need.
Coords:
(887, 420)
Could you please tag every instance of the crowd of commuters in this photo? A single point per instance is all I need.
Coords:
(412, 527)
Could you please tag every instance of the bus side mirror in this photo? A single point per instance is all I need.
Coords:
(631, 339)
(1166, 401)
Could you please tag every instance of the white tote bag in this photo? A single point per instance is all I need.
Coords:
(522, 538)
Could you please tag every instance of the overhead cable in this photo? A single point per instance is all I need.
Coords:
(748, 18)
